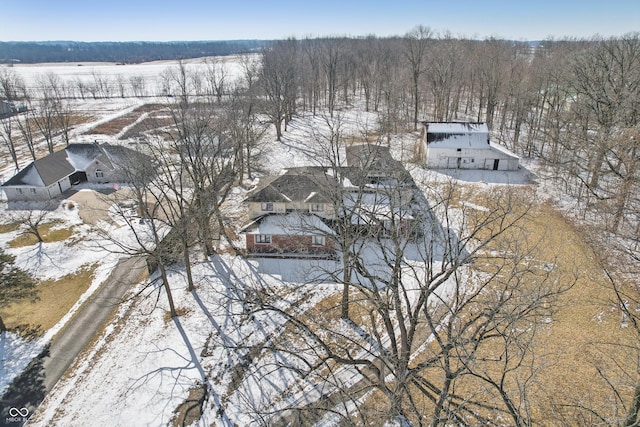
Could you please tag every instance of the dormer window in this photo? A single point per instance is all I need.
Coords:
(317, 207)
(267, 207)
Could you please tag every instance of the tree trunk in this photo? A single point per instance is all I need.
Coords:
(165, 284)
(2, 326)
(278, 125)
(187, 265)
(346, 268)
(344, 305)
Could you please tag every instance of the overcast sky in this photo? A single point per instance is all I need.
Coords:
(176, 20)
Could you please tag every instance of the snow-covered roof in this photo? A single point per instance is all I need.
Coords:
(81, 155)
(504, 151)
(291, 224)
(376, 206)
(457, 134)
(456, 127)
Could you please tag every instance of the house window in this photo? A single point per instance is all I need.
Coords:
(32, 190)
(459, 149)
(317, 207)
(317, 240)
(18, 190)
(267, 207)
(99, 173)
(262, 238)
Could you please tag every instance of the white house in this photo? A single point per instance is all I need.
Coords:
(463, 145)
(50, 176)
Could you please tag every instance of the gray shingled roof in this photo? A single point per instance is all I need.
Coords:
(56, 166)
(49, 169)
(297, 184)
(370, 160)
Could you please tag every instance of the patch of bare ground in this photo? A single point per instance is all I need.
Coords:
(10, 227)
(152, 124)
(50, 232)
(117, 125)
(580, 329)
(190, 411)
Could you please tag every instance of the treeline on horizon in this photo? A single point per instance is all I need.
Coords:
(125, 52)
(17, 52)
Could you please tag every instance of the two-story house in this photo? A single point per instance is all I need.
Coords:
(297, 211)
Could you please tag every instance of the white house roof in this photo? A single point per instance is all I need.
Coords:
(371, 207)
(291, 224)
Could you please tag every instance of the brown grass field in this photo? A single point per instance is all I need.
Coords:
(53, 301)
(578, 355)
(116, 125)
(48, 231)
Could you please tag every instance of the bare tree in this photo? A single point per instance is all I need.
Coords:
(243, 129)
(12, 90)
(279, 81)
(7, 136)
(216, 77)
(137, 84)
(45, 108)
(144, 216)
(207, 155)
(33, 219)
(606, 81)
(331, 59)
(415, 47)
(444, 72)
(27, 130)
(11, 85)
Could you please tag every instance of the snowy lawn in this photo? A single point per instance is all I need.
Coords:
(145, 363)
(50, 262)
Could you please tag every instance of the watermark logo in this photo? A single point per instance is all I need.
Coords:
(15, 412)
(17, 415)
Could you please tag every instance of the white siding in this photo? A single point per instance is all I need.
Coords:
(97, 168)
(466, 158)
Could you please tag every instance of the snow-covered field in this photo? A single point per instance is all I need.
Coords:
(149, 72)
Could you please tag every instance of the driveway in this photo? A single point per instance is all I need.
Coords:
(93, 205)
(97, 310)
